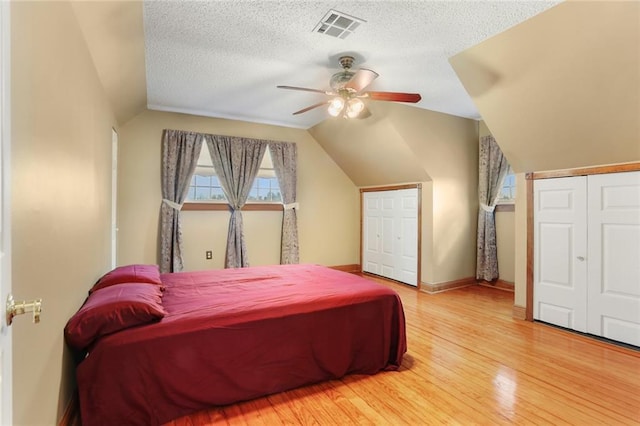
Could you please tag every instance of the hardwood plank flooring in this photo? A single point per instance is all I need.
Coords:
(468, 362)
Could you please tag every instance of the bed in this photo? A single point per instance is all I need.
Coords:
(224, 336)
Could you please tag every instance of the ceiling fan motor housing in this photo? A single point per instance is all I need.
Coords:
(339, 79)
(346, 62)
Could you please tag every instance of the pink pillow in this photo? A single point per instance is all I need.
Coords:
(129, 274)
(113, 309)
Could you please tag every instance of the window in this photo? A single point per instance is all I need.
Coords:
(508, 191)
(205, 186)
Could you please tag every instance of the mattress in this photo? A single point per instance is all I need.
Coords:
(237, 334)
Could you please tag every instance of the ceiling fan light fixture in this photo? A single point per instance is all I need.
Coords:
(336, 106)
(354, 107)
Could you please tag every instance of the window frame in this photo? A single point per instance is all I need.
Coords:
(507, 205)
(223, 205)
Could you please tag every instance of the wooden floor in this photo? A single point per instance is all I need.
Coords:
(468, 362)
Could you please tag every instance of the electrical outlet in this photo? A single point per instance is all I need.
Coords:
(209, 254)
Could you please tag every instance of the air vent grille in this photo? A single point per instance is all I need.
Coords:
(338, 24)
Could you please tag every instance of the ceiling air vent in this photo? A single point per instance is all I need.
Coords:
(338, 24)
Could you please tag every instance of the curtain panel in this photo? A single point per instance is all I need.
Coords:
(236, 162)
(492, 170)
(180, 151)
(284, 157)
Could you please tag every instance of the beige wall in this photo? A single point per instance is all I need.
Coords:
(204, 231)
(505, 232)
(328, 218)
(529, 85)
(520, 224)
(403, 144)
(447, 148)
(114, 33)
(61, 160)
(505, 241)
(562, 89)
(371, 152)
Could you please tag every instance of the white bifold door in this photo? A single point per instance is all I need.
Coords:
(614, 257)
(390, 234)
(560, 250)
(587, 254)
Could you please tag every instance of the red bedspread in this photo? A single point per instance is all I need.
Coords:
(237, 334)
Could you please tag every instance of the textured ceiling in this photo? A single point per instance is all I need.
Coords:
(225, 58)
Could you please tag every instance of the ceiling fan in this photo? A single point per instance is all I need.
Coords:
(347, 92)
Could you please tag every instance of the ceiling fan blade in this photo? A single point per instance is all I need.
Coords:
(305, 89)
(361, 79)
(309, 108)
(394, 96)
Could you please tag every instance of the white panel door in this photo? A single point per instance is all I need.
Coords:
(389, 229)
(390, 234)
(560, 238)
(407, 236)
(614, 256)
(372, 230)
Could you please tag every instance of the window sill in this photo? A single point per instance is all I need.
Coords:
(506, 207)
(225, 207)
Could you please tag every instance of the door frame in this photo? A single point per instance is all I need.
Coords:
(417, 186)
(530, 177)
(6, 385)
(114, 197)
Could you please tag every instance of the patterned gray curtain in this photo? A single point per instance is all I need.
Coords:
(493, 168)
(236, 162)
(180, 151)
(284, 157)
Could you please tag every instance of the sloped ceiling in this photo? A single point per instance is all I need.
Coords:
(371, 152)
(400, 144)
(562, 89)
(114, 35)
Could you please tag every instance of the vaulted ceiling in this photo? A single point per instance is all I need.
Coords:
(114, 34)
(557, 84)
(562, 89)
(225, 58)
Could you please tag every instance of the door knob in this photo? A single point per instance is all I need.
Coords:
(581, 258)
(22, 307)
